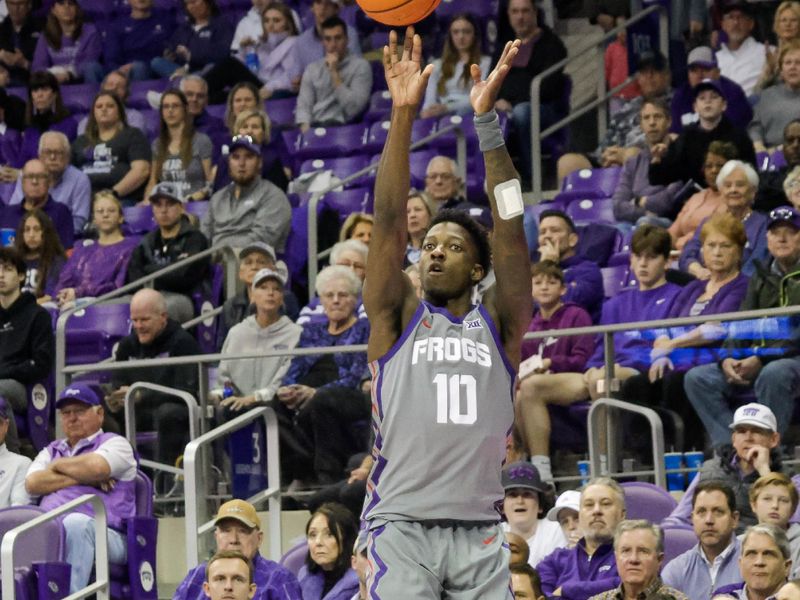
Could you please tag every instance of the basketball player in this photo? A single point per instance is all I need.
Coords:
(443, 370)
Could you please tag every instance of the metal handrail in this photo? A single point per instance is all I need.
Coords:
(602, 93)
(101, 584)
(192, 482)
(130, 418)
(313, 202)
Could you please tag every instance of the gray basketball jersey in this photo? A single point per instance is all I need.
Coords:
(442, 407)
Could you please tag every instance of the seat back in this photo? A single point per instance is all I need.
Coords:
(41, 400)
(144, 495)
(647, 501)
(615, 279)
(138, 219)
(677, 540)
(281, 112)
(586, 180)
(592, 210)
(43, 543)
(92, 332)
(295, 557)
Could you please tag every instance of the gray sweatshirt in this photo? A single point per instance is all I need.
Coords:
(320, 102)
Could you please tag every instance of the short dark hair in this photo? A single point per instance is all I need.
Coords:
(475, 230)
(651, 238)
(547, 268)
(11, 257)
(231, 554)
(533, 575)
(554, 212)
(726, 149)
(334, 21)
(658, 103)
(715, 485)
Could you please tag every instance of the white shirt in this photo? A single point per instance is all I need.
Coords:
(13, 469)
(548, 537)
(744, 65)
(713, 568)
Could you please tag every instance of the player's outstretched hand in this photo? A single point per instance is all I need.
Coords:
(484, 93)
(404, 76)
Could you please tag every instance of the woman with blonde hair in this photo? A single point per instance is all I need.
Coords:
(787, 28)
(357, 226)
(778, 104)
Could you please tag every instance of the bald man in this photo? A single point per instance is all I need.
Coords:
(155, 335)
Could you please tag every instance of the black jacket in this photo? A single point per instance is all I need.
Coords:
(25, 40)
(154, 253)
(27, 345)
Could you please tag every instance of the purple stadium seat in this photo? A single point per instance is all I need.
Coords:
(592, 210)
(602, 182)
(380, 106)
(378, 76)
(139, 89)
(615, 279)
(34, 425)
(330, 142)
(198, 208)
(677, 540)
(349, 201)
(295, 557)
(619, 258)
(138, 219)
(281, 112)
(418, 163)
(92, 332)
(647, 501)
(216, 110)
(152, 123)
(342, 168)
(78, 97)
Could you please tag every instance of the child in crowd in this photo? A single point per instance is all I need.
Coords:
(773, 499)
(38, 243)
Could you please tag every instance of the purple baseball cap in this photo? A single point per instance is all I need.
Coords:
(707, 84)
(246, 142)
(522, 474)
(784, 214)
(79, 392)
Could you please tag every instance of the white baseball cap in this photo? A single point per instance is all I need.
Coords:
(569, 499)
(755, 414)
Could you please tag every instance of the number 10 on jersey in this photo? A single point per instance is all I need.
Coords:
(448, 399)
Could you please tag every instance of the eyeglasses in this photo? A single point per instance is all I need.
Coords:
(352, 264)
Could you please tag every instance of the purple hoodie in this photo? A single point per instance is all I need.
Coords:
(579, 575)
(72, 55)
(567, 354)
(94, 270)
(584, 284)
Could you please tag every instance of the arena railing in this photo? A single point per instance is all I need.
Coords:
(602, 94)
(101, 585)
(316, 197)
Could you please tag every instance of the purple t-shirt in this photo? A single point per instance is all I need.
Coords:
(94, 270)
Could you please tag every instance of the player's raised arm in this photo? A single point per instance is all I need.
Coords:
(388, 293)
(510, 299)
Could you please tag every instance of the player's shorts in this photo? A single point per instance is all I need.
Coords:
(409, 559)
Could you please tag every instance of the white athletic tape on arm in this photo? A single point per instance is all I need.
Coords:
(508, 196)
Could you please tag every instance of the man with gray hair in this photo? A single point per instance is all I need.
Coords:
(195, 89)
(68, 185)
(639, 552)
(589, 568)
(764, 563)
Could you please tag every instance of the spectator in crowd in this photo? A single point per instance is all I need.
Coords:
(27, 347)
(636, 199)
(678, 349)
(762, 358)
(87, 461)
(737, 181)
(45, 112)
(68, 185)
(196, 44)
(713, 561)
(320, 398)
(772, 192)
(779, 104)
(741, 58)
(518, 549)
(174, 240)
(309, 47)
(256, 124)
(38, 244)
(443, 185)
(764, 564)
(525, 581)
(156, 335)
(244, 383)
(749, 456)
(195, 89)
(705, 202)
(791, 187)
(335, 89)
(68, 46)
(133, 41)
(786, 27)
(540, 49)
(567, 354)
(35, 192)
(558, 240)
(13, 466)
(351, 254)
(419, 217)
(350, 491)
(12, 117)
(774, 498)
(249, 28)
(112, 154)
(19, 32)
(360, 564)
(229, 576)
(249, 209)
(615, 61)
(181, 155)
(624, 136)
(237, 528)
(566, 514)
(118, 83)
(252, 259)
(639, 554)
(651, 299)
(702, 65)
(450, 83)
(357, 226)
(682, 159)
(96, 268)
(589, 568)
(278, 72)
(327, 575)
(242, 96)
(524, 506)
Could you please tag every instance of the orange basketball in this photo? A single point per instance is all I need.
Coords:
(398, 12)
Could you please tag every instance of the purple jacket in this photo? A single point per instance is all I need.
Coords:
(739, 110)
(72, 55)
(634, 183)
(313, 583)
(632, 348)
(579, 575)
(120, 502)
(584, 284)
(60, 215)
(567, 354)
(756, 248)
(130, 39)
(94, 270)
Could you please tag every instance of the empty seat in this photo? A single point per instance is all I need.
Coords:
(281, 112)
(78, 97)
(329, 142)
(138, 96)
(647, 501)
(600, 182)
(380, 106)
(138, 219)
(677, 540)
(342, 168)
(92, 332)
(615, 279)
(592, 210)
